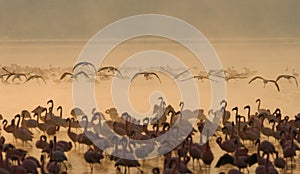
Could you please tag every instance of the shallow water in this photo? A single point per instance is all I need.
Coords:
(25, 97)
(267, 60)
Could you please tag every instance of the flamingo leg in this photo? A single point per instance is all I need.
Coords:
(199, 164)
(193, 164)
(91, 166)
(65, 166)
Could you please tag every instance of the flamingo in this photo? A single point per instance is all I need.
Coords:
(73, 136)
(195, 150)
(10, 128)
(227, 145)
(240, 158)
(265, 81)
(74, 76)
(265, 130)
(266, 168)
(176, 76)
(35, 77)
(279, 162)
(260, 110)
(42, 142)
(198, 77)
(147, 75)
(14, 75)
(172, 168)
(289, 77)
(110, 69)
(22, 133)
(30, 166)
(92, 156)
(84, 64)
(207, 155)
(226, 114)
(42, 126)
(84, 138)
(128, 159)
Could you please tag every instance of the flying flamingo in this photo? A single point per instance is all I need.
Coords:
(147, 75)
(110, 69)
(289, 77)
(74, 76)
(35, 77)
(176, 76)
(265, 81)
(84, 64)
(199, 77)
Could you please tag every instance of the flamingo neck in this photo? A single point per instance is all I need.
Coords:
(258, 105)
(258, 152)
(267, 164)
(85, 126)
(4, 125)
(60, 113)
(18, 123)
(38, 118)
(262, 122)
(249, 114)
(69, 128)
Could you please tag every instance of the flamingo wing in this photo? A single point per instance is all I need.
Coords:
(252, 159)
(136, 74)
(65, 74)
(183, 72)
(279, 77)
(84, 64)
(156, 76)
(225, 159)
(295, 80)
(172, 74)
(40, 77)
(201, 77)
(276, 84)
(22, 74)
(110, 68)
(257, 77)
(6, 70)
(11, 74)
(81, 72)
(35, 77)
(1, 76)
(13, 80)
(287, 77)
(189, 78)
(116, 69)
(104, 68)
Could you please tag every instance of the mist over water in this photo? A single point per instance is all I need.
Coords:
(268, 59)
(47, 37)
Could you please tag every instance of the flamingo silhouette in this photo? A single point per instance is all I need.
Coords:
(110, 69)
(84, 64)
(73, 75)
(289, 77)
(176, 76)
(146, 75)
(265, 81)
(35, 77)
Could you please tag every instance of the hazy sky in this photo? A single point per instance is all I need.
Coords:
(78, 19)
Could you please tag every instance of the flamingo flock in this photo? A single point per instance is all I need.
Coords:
(262, 141)
(87, 71)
